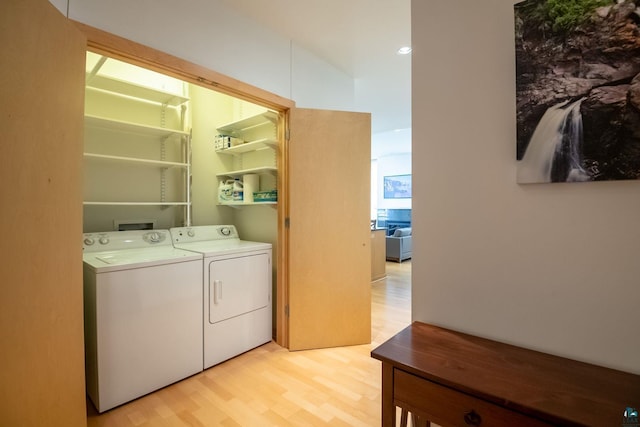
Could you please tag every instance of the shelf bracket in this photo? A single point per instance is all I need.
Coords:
(95, 69)
(163, 115)
(163, 172)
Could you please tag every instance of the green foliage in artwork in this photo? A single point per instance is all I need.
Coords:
(559, 16)
(567, 15)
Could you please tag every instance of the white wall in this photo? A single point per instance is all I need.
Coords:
(316, 84)
(61, 5)
(552, 267)
(208, 33)
(209, 110)
(397, 141)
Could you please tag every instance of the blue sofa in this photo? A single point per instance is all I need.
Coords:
(399, 245)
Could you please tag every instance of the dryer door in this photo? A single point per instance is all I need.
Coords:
(238, 286)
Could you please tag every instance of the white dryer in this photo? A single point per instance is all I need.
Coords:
(236, 286)
(143, 314)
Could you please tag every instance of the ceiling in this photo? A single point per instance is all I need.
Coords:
(360, 38)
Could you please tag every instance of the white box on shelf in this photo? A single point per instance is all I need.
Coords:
(222, 142)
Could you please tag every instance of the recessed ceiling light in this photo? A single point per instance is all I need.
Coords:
(405, 50)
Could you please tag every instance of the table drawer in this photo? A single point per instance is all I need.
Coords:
(447, 407)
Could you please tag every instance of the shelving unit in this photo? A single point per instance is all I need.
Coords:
(260, 144)
(241, 127)
(132, 128)
(128, 89)
(136, 203)
(238, 205)
(256, 156)
(239, 173)
(132, 160)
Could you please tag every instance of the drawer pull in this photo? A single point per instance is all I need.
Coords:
(472, 418)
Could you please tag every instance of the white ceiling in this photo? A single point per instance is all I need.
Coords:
(359, 37)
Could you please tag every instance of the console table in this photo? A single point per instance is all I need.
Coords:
(456, 379)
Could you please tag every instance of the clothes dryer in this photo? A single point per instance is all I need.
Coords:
(237, 279)
(143, 314)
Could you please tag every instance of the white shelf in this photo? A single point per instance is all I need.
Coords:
(260, 144)
(132, 90)
(237, 205)
(257, 120)
(251, 127)
(239, 173)
(129, 127)
(133, 160)
(135, 203)
(246, 204)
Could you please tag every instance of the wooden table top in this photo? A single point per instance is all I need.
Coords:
(554, 389)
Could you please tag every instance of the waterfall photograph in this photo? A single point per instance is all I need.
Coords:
(577, 90)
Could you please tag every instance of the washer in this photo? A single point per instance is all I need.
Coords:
(236, 285)
(143, 314)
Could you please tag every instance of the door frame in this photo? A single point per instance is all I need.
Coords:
(108, 44)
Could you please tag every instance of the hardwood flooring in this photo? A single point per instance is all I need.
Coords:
(270, 386)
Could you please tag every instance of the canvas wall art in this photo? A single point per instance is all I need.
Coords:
(577, 90)
(397, 187)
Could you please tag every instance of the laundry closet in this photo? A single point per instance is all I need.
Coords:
(157, 150)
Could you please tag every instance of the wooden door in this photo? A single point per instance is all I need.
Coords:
(41, 314)
(329, 247)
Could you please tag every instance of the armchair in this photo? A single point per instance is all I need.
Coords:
(399, 245)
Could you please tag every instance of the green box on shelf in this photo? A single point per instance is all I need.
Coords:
(265, 196)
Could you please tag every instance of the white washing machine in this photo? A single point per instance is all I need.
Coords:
(236, 286)
(143, 314)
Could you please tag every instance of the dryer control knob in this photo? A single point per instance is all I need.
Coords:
(225, 231)
(103, 240)
(89, 241)
(191, 233)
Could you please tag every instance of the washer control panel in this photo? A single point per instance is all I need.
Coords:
(117, 240)
(154, 237)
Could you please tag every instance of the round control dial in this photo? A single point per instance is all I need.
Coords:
(153, 237)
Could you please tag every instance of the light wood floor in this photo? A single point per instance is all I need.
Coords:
(270, 386)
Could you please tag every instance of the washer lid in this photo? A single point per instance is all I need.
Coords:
(127, 259)
(223, 247)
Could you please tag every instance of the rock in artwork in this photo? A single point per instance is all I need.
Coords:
(577, 90)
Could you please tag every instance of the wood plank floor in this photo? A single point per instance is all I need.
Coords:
(270, 386)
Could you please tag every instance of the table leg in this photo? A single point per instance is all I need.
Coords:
(404, 416)
(388, 408)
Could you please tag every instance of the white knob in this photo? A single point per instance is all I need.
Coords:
(153, 237)
(103, 240)
(89, 241)
(191, 233)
